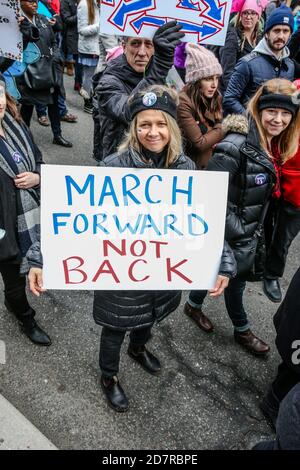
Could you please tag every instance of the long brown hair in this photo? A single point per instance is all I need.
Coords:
(200, 103)
(288, 140)
(11, 107)
(91, 11)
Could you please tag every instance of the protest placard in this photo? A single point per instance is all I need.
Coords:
(135, 229)
(203, 21)
(11, 44)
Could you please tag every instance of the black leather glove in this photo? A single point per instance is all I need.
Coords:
(167, 37)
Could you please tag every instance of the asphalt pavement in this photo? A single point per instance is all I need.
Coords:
(206, 396)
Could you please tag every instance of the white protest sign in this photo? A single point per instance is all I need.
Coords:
(11, 44)
(124, 228)
(203, 21)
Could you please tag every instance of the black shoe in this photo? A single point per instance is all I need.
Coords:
(34, 332)
(149, 362)
(272, 289)
(88, 107)
(59, 140)
(31, 329)
(270, 408)
(114, 393)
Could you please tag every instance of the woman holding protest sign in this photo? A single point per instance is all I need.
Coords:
(252, 153)
(153, 141)
(20, 160)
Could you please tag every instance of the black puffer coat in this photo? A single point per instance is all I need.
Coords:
(118, 81)
(251, 176)
(126, 310)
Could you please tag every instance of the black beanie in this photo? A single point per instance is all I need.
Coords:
(151, 100)
(277, 100)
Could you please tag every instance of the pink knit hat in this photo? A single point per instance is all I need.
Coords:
(200, 63)
(254, 5)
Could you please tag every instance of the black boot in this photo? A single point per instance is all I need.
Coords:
(140, 354)
(30, 327)
(271, 288)
(34, 332)
(270, 408)
(114, 393)
(59, 140)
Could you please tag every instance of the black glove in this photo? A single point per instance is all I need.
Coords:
(167, 37)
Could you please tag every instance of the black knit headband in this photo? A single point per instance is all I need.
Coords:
(276, 100)
(151, 100)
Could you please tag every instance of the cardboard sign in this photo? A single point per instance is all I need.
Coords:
(203, 21)
(124, 228)
(11, 44)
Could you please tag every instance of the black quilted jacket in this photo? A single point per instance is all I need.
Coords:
(125, 310)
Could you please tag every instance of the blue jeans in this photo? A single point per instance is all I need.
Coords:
(63, 110)
(233, 295)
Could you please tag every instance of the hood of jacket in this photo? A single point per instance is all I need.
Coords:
(120, 68)
(236, 123)
(263, 48)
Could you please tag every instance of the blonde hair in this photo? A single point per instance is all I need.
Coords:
(238, 24)
(288, 140)
(175, 144)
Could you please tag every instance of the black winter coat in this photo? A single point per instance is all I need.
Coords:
(287, 325)
(48, 47)
(251, 177)
(68, 13)
(126, 310)
(118, 81)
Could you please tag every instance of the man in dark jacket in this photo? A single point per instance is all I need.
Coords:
(132, 71)
(270, 59)
(287, 324)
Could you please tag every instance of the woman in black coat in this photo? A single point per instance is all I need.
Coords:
(244, 32)
(147, 146)
(251, 153)
(20, 160)
(42, 82)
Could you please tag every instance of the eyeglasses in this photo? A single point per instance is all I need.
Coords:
(249, 13)
(29, 1)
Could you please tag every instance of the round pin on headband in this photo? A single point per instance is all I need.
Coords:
(151, 100)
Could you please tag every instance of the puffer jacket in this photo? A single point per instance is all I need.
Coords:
(250, 72)
(88, 34)
(251, 176)
(128, 309)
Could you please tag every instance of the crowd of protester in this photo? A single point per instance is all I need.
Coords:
(237, 110)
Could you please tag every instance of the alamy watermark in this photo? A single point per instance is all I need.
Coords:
(296, 354)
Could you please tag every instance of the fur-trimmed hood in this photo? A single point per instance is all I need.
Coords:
(236, 123)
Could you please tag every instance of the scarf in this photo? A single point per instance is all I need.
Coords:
(28, 212)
